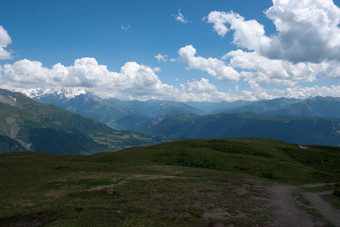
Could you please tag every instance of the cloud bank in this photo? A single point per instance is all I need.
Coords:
(133, 81)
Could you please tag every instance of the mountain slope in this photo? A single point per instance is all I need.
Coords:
(47, 128)
(8, 144)
(301, 130)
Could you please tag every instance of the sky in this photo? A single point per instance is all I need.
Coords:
(179, 50)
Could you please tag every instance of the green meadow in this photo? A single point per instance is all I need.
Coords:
(187, 183)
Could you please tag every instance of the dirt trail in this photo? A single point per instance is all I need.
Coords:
(284, 207)
(316, 185)
(324, 208)
(288, 212)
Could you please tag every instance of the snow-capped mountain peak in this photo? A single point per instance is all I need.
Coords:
(67, 93)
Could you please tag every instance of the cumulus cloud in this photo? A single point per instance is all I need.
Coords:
(203, 91)
(306, 45)
(212, 66)
(5, 40)
(267, 71)
(132, 82)
(305, 92)
(307, 31)
(179, 17)
(258, 93)
(136, 82)
(248, 34)
(161, 58)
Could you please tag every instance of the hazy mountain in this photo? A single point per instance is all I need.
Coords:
(157, 108)
(126, 114)
(218, 107)
(300, 130)
(27, 124)
(115, 113)
(186, 120)
(316, 106)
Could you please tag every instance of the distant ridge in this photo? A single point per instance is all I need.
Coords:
(305, 121)
(314, 106)
(114, 113)
(292, 129)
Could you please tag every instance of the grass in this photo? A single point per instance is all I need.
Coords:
(334, 199)
(187, 183)
(256, 157)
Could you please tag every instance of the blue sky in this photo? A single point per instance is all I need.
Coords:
(115, 43)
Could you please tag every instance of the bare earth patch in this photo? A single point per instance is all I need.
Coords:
(324, 208)
(288, 212)
(216, 213)
(284, 207)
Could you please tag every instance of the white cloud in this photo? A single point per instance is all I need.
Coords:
(161, 58)
(179, 17)
(218, 19)
(267, 71)
(156, 69)
(203, 91)
(5, 40)
(134, 81)
(306, 92)
(329, 69)
(258, 93)
(249, 34)
(306, 45)
(307, 30)
(213, 66)
(125, 27)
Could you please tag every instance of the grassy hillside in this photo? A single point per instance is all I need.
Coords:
(47, 128)
(188, 183)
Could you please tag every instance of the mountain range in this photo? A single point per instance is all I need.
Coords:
(127, 115)
(309, 121)
(115, 113)
(26, 124)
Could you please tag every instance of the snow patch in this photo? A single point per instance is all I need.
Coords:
(68, 93)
